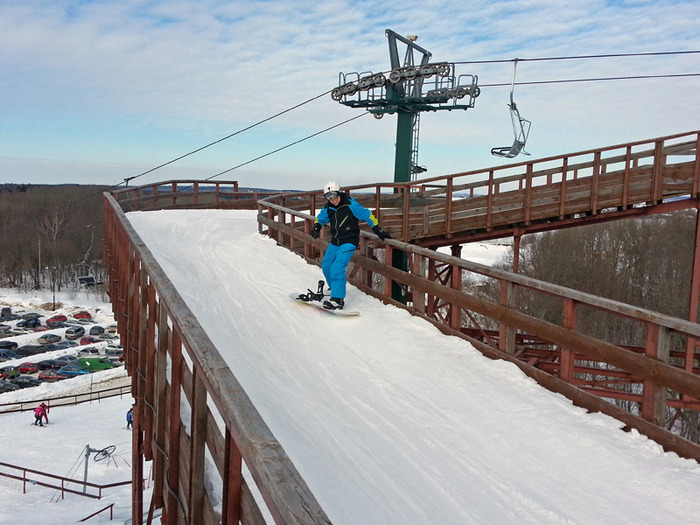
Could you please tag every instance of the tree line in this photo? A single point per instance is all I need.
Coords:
(646, 262)
(50, 235)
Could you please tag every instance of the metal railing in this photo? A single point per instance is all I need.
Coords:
(44, 479)
(66, 400)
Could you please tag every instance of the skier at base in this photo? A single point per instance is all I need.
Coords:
(342, 213)
(40, 413)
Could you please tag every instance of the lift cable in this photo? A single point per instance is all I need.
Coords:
(582, 57)
(287, 146)
(598, 79)
(128, 179)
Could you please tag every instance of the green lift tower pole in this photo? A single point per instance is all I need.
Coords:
(404, 144)
(404, 94)
(413, 85)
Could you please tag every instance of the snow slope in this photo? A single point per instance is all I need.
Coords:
(59, 447)
(391, 422)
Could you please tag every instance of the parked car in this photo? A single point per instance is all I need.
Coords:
(27, 350)
(72, 370)
(9, 372)
(7, 386)
(114, 353)
(67, 344)
(96, 330)
(28, 368)
(50, 364)
(68, 359)
(112, 329)
(61, 345)
(8, 345)
(59, 318)
(50, 376)
(26, 381)
(31, 315)
(89, 351)
(94, 364)
(48, 339)
(89, 340)
(6, 355)
(82, 315)
(74, 332)
(107, 337)
(29, 322)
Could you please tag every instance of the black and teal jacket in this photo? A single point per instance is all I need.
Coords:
(344, 219)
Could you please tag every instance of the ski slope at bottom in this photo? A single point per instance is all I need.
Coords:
(391, 422)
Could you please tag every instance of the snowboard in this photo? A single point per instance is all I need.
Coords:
(319, 305)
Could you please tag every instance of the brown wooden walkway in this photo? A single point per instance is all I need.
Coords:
(632, 179)
(620, 181)
(641, 178)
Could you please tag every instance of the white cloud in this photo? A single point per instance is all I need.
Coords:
(128, 82)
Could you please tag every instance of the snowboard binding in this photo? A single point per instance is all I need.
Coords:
(313, 296)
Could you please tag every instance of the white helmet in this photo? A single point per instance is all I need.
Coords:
(330, 186)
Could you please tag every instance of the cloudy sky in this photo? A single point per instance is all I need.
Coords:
(101, 91)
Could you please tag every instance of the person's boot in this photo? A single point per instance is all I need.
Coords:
(334, 303)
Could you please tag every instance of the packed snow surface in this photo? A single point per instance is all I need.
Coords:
(391, 422)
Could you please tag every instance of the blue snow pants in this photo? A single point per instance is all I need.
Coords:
(334, 264)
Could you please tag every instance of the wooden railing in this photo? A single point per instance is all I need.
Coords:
(425, 295)
(190, 407)
(176, 370)
(189, 194)
(661, 376)
(494, 202)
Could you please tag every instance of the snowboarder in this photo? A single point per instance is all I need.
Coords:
(40, 413)
(129, 417)
(343, 214)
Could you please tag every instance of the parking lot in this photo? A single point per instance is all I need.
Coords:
(38, 346)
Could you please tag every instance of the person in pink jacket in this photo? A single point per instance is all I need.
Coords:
(41, 412)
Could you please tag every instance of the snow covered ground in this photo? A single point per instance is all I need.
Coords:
(391, 422)
(388, 421)
(59, 447)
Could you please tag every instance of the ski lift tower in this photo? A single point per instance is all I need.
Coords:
(413, 85)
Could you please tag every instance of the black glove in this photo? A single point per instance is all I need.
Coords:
(380, 233)
(316, 231)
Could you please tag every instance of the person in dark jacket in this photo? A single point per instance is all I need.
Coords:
(129, 417)
(343, 214)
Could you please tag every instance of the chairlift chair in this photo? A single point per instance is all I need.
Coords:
(521, 127)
